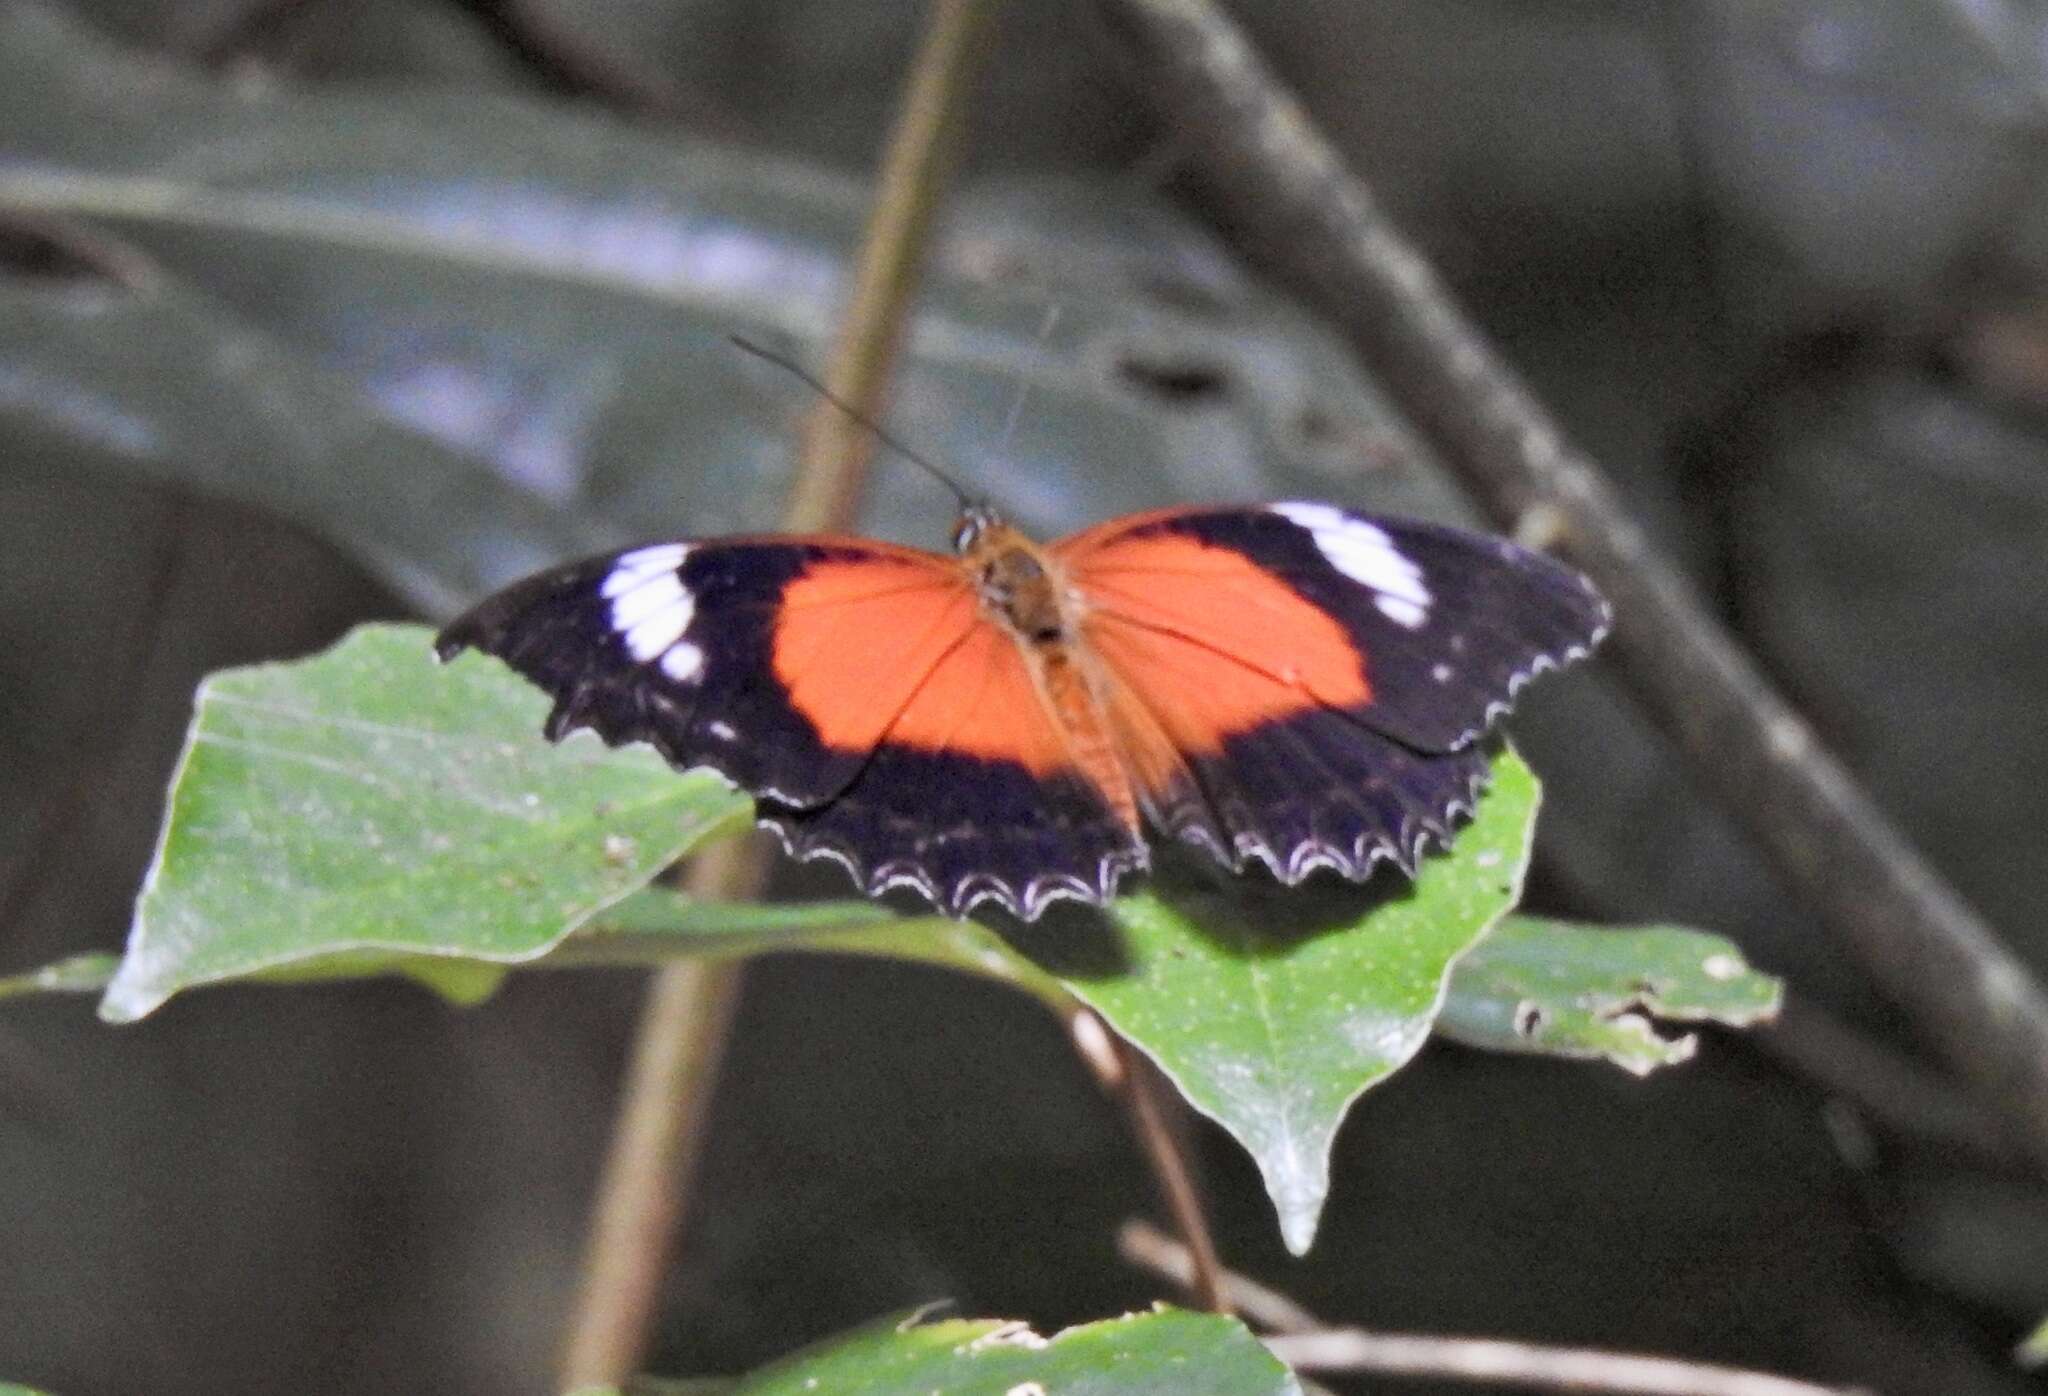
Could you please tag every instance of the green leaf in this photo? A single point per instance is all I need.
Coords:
(81, 974)
(362, 809)
(2032, 1351)
(365, 812)
(1272, 1013)
(1597, 992)
(1163, 1353)
(659, 925)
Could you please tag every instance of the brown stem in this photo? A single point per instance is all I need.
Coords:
(913, 172)
(1149, 1248)
(1528, 1365)
(1304, 1341)
(654, 1148)
(1127, 1076)
(1886, 1084)
(1313, 220)
(681, 1034)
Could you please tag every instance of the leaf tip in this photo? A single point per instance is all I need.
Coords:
(135, 992)
(1299, 1203)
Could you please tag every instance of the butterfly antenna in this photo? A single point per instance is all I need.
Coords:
(1016, 415)
(810, 380)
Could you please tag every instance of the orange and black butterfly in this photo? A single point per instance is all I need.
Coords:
(1294, 684)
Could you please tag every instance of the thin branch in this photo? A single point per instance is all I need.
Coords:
(928, 134)
(1148, 1248)
(1529, 1365)
(656, 1142)
(1303, 1342)
(1124, 1073)
(1314, 220)
(560, 50)
(682, 1032)
(1887, 1084)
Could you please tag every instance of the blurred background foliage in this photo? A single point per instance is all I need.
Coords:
(323, 310)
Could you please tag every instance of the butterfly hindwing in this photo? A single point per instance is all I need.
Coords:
(973, 794)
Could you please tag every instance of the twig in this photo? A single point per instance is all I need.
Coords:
(2010, 54)
(1528, 1365)
(1303, 1342)
(1126, 1075)
(1972, 1001)
(925, 142)
(682, 1030)
(655, 1142)
(1148, 1248)
(1889, 1085)
(558, 50)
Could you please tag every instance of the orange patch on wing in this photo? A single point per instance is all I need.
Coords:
(979, 701)
(872, 651)
(854, 639)
(1209, 641)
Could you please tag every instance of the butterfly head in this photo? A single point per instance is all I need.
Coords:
(977, 517)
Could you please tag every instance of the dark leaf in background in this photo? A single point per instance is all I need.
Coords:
(552, 294)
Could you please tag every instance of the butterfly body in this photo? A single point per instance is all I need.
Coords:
(1291, 684)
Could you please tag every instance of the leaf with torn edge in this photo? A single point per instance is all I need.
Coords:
(1166, 1352)
(367, 809)
(1570, 990)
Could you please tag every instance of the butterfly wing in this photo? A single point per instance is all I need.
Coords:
(851, 686)
(682, 645)
(1323, 676)
(975, 795)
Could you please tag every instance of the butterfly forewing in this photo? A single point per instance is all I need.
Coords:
(1322, 675)
(1440, 627)
(731, 653)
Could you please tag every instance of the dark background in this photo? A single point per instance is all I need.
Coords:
(312, 312)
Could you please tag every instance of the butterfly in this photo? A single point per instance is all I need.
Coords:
(1293, 684)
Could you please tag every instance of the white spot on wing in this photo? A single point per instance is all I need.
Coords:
(1401, 611)
(659, 593)
(651, 608)
(682, 661)
(653, 617)
(654, 635)
(1367, 555)
(640, 565)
